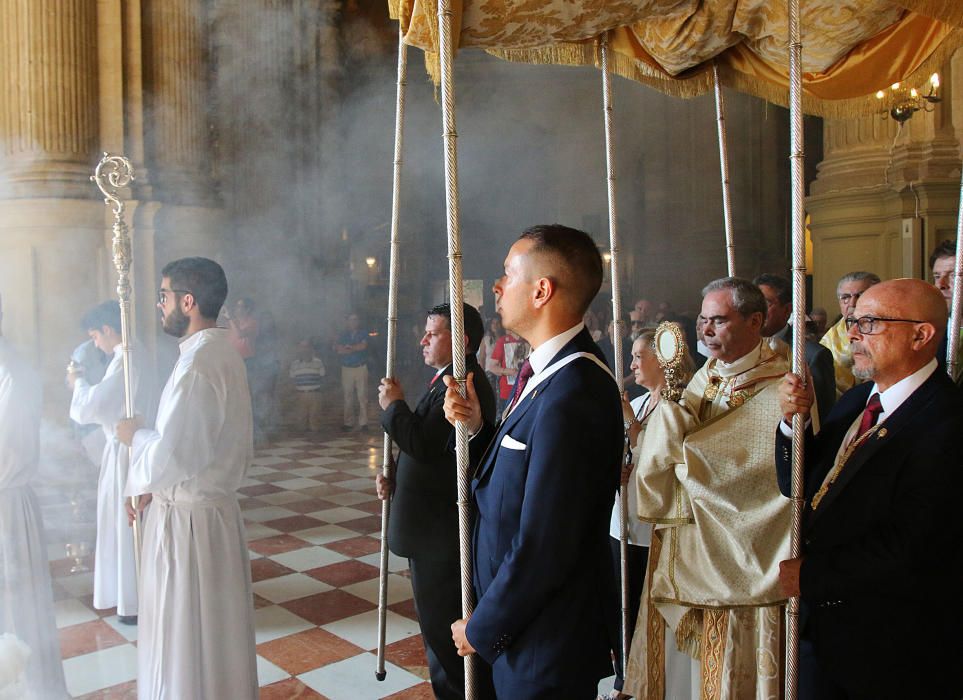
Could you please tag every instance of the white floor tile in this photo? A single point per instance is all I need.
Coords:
(260, 515)
(257, 531)
(71, 611)
(308, 557)
(318, 461)
(267, 461)
(296, 442)
(399, 589)
(275, 622)
(268, 673)
(298, 482)
(325, 534)
(78, 584)
(311, 471)
(349, 499)
(290, 587)
(362, 483)
(277, 451)
(259, 471)
(100, 669)
(283, 497)
(354, 678)
(362, 630)
(128, 632)
(394, 563)
(338, 515)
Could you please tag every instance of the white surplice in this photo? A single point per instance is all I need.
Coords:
(103, 403)
(196, 627)
(26, 599)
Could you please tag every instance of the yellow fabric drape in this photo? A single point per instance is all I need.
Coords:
(852, 48)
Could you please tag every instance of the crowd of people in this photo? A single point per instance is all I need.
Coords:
(699, 443)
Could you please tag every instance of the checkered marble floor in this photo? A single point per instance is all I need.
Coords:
(313, 525)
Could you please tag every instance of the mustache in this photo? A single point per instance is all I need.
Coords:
(857, 346)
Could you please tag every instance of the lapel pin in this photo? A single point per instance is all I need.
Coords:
(534, 393)
(882, 432)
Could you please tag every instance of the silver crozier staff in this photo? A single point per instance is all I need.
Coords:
(112, 174)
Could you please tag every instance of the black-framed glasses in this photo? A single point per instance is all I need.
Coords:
(162, 294)
(867, 324)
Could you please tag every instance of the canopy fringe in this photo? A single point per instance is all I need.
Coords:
(949, 11)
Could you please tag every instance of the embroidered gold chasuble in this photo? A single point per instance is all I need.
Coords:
(837, 340)
(706, 478)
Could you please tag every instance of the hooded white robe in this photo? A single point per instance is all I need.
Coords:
(26, 599)
(103, 403)
(196, 626)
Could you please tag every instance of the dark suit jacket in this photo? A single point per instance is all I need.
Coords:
(882, 556)
(820, 362)
(424, 512)
(542, 562)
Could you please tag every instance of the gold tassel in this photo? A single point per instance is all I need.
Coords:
(688, 635)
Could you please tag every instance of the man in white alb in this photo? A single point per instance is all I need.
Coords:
(103, 403)
(196, 632)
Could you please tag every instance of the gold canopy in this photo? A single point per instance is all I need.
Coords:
(851, 48)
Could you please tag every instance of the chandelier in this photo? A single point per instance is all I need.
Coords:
(903, 101)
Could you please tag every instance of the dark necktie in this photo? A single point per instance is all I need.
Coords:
(524, 374)
(870, 415)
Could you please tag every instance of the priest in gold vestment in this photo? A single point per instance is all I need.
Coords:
(710, 621)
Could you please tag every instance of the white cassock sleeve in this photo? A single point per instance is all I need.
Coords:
(98, 403)
(189, 420)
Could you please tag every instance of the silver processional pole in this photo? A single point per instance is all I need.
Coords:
(388, 455)
(956, 307)
(456, 293)
(724, 172)
(617, 343)
(112, 174)
(796, 161)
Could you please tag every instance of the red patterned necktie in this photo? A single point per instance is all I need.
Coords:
(524, 374)
(870, 415)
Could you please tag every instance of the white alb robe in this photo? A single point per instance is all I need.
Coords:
(26, 600)
(103, 403)
(196, 627)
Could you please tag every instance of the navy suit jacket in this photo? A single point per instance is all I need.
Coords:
(542, 562)
(424, 507)
(881, 553)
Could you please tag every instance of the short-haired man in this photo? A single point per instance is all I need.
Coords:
(26, 600)
(706, 476)
(196, 631)
(778, 293)
(943, 265)
(104, 403)
(352, 349)
(545, 487)
(882, 525)
(848, 290)
(424, 512)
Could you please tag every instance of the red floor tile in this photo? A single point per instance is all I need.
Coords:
(310, 505)
(265, 568)
(278, 544)
(405, 608)
(344, 573)
(124, 691)
(407, 652)
(259, 490)
(355, 546)
(365, 526)
(322, 608)
(373, 507)
(260, 602)
(290, 689)
(322, 490)
(335, 477)
(60, 568)
(252, 503)
(87, 637)
(272, 477)
(308, 650)
(294, 523)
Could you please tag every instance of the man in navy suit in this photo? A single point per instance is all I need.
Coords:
(545, 486)
(881, 557)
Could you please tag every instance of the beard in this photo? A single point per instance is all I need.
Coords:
(176, 323)
(868, 370)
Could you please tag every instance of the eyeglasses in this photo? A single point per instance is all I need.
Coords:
(847, 298)
(162, 294)
(867, 324)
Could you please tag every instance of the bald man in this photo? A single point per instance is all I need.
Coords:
(882, 525)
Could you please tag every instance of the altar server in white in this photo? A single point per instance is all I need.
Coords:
(103, 403)
(196, 632)
(26, 600)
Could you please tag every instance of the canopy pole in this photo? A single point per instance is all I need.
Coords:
(388, 465)
(446, 52)
(112, 174)
(796, 161)
(619, 325)
(956, 307)
(724, 172)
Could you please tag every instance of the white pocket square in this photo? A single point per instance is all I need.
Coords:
(512, 444)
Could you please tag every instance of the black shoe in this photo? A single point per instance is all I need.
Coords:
(345, 428)
(127, 619)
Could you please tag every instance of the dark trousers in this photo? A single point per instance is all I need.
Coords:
(509, 688)
(636, 558)
(437, 590)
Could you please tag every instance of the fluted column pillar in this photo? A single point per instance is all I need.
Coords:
(48, 103)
